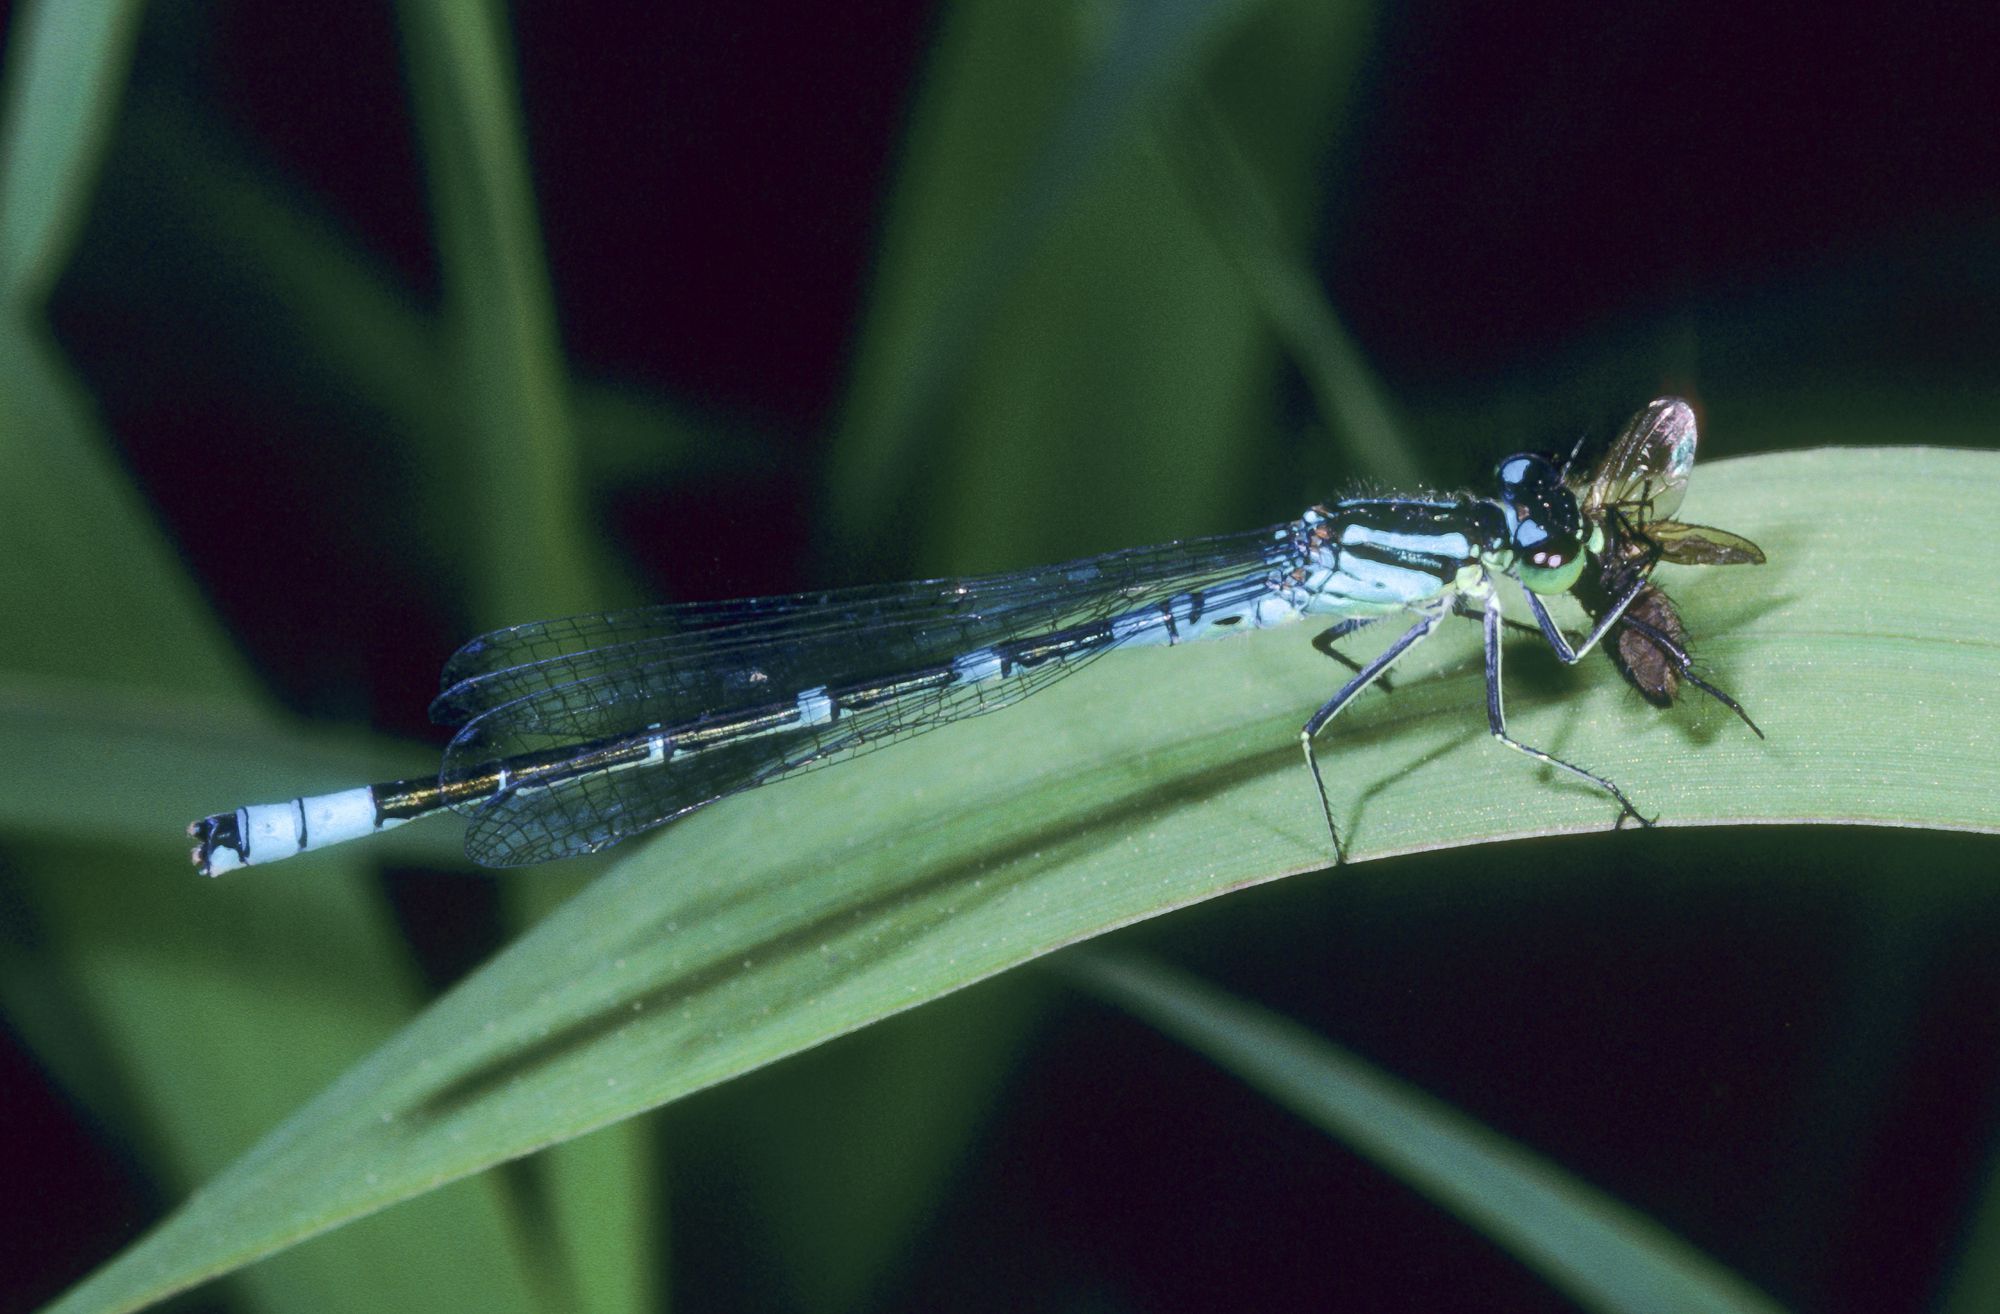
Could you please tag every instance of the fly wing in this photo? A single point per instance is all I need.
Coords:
(1701, 545)
(718, 655)
(1645, 472)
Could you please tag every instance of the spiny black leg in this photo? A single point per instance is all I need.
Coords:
(1333, 634)
(1496, 721)
(1460, 607)
(1682, 664)
(1362, 679)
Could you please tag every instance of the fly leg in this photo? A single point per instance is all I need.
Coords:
(1683, 666)
(1676, 654)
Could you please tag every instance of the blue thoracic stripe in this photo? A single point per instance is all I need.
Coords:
(1443, 554)
(1379, 582)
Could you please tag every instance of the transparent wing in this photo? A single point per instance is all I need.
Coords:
(743, 671)
(588, 813)
(755, 648)
(1645, 472)
(1701, 545)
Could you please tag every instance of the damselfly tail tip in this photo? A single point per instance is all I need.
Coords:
(217, 848)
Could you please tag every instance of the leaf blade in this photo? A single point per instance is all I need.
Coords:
(765, 926)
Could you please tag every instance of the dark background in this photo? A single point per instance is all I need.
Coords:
(1810, 192)
(1764, 1047)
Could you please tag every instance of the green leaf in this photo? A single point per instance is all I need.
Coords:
(225, 1008)
(843, 1160)
(527, 507)
(301, 309)
(94, 760)
(1603, 1254)
(1028, 174)
(523, 506)
(105, 700)
(1149, 781)
(1292, 299)
(197, 1021)
(525, 503)
(66, 68)
(80, 544)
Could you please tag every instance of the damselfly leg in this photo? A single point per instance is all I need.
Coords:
(1366, 676)
(1333, 634)
(1496, 714)
(1495, 623)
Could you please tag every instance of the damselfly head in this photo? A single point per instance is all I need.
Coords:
(1549, 533)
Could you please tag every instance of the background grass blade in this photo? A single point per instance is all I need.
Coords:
(1034, 226)
(137, 1033)
(1603, 1254)
(1353, 402)
(521, 495)
(517, 465)
(730, 943)
(135, 632)
(66, 71)
(84, 762)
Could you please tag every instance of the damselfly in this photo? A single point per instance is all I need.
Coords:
(575, 734)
